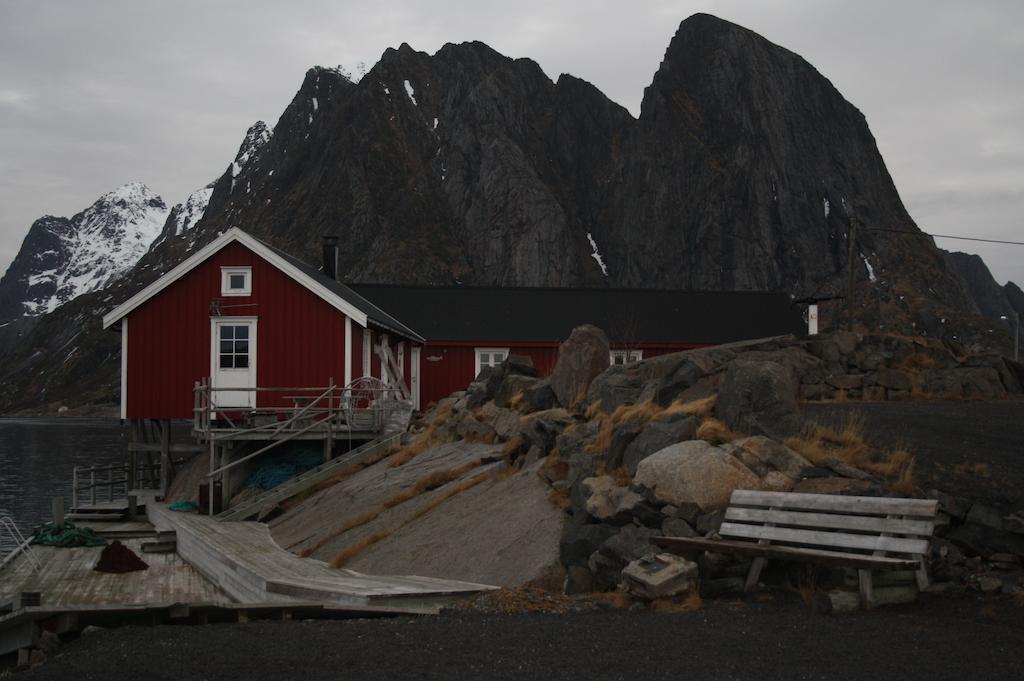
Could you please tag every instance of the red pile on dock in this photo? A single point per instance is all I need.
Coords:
(118, 558)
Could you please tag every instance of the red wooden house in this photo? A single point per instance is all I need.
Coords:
(467, 328)
(243, 314)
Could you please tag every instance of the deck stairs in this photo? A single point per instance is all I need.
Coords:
(304, 481)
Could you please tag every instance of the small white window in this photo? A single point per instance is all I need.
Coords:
(489, 357)
(626, 356)
(236, 281)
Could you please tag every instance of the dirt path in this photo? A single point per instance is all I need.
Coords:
(974, 449)
(962, 637)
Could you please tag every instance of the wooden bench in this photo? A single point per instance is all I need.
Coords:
(866, 533)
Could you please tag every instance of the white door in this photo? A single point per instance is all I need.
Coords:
(233, 364)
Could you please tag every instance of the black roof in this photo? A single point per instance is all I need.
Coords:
(374, 314)
(494, 314)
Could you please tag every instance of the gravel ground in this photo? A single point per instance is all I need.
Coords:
(961, 637)
(975, 449)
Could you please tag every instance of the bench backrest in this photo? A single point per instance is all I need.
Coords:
(837, 523)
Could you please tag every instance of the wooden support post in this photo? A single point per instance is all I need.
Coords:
(57, 504)
(921, 574)
(867, 596)
(74, 488)
(755, 573)
(165, 456)
(92, 485)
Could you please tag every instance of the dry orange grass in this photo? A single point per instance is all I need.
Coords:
(847, 444)
(559, 497)
(513, 446)
(517, 402)
(701, 408)
(716, 432)
(593, 410)
(343, 474)
(627, 413)
(806, 584)
(350, 552)
(553, 467)
(918, 360)
(619, 600)
(972, 470)
(433, 436)
(692, 602)
(361, 519)
(430, 482)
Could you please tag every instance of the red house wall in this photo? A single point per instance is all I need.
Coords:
(300, 338)
(448, 366)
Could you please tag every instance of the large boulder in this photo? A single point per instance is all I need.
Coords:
(775, 455)
(581, 358)
(683, 377)
(759, 398)
(608, 502)
(655, 436)
(614, 387)
(694, 472)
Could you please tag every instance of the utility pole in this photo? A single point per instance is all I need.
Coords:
(851, 241)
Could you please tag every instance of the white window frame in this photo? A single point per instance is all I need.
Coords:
(225, 281)
(477, 352)
(628, 356)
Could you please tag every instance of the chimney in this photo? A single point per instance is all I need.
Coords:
(330, 251)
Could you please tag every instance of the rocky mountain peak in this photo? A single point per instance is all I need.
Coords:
(62, 258)
(256, 136)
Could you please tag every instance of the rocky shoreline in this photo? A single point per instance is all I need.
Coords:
(655, 448)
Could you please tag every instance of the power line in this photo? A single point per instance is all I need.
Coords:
(945, 236)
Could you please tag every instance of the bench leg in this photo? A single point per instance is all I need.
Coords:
(754, 574)
(922, 574)
(867, 596)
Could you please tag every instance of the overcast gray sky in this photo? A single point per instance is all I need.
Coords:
(96, 94)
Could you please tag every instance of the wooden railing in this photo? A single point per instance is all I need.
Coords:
(94, 484)
(13, 543)
(364, 405)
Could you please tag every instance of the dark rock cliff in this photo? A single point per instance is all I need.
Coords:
(746, 169)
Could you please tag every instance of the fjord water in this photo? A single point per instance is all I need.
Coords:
(37, 457)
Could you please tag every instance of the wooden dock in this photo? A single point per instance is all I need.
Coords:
(243, 560)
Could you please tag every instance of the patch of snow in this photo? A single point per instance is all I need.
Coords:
(316, 104)
(870, 269)
(435, 124)
(386, 90)
(596, 255)
(108, 238)
(827, 207)
(192, 210)
(41, 277)
(310, 121)
(409, 91)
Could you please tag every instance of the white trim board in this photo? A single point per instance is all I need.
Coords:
(253, 359)
(204, 253)
(124, 368)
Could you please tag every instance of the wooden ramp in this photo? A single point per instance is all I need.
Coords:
(242, 559)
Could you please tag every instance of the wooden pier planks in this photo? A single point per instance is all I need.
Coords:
(67, 578)
(243, 559)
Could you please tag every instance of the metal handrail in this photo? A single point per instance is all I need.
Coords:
(276, 442)
(21, 545)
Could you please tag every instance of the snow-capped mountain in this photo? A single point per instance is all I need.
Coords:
(62, 258)
(185, 215)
